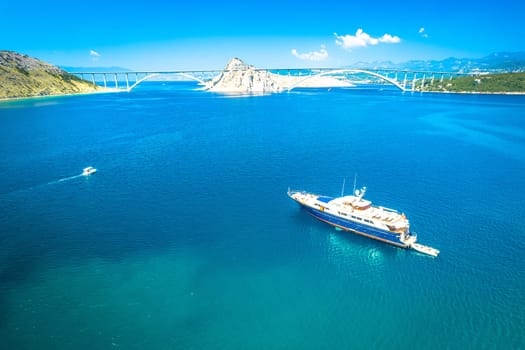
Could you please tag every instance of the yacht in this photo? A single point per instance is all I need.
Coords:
(355, 214)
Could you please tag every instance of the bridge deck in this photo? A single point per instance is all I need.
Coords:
(405, 80)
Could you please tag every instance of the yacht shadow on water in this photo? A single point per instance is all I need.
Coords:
(345, 246)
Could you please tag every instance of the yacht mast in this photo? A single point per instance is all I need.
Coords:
(355, 179)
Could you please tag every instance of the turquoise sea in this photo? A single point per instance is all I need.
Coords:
(185, 237)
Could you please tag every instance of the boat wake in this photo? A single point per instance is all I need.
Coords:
(34, 187)
(64, 179)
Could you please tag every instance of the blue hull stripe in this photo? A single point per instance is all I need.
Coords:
(355, 227)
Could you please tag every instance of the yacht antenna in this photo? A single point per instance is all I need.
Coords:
(355, 179)
(343, 189)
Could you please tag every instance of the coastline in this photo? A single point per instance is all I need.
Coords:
(112, 90)
(39, 97)
(516, 93)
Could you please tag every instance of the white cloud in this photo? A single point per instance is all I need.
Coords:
(94, 53)
(422, 32)
(362, 39)
(389, 39)
(320, 55)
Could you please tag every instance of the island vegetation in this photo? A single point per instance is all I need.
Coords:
(24, 76)
(482, 83)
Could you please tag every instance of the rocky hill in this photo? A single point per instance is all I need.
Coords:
(239, 77)
(24, 76)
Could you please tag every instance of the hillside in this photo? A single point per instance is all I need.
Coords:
(489, 83)
(24, 76)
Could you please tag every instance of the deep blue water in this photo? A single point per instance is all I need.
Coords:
(185, 238)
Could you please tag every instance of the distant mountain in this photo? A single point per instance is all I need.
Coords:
(95, 69)
(501, 62)
(24, 76)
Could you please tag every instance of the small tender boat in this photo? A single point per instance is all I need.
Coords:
(355, 214)
(425, 249)
(88, 171)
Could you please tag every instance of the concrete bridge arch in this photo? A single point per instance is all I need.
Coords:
(152, 75)
(352, 71)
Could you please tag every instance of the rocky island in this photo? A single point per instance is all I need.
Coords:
(24, 76)
(239, 77)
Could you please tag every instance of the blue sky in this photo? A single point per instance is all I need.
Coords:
(202, 34)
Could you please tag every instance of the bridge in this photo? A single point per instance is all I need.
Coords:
(404, 80)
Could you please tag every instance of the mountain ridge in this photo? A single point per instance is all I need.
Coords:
(111, 69)
(497, 62)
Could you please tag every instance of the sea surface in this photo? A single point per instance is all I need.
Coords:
(185, 237)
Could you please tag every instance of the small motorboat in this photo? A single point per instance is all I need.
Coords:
(425, 249)
(88, 171)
